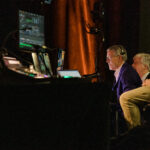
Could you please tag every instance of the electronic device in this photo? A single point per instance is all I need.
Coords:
(47, 1)
(32, 40)
(31, 30)
(16, 66)
(69, 73)
(60, 59)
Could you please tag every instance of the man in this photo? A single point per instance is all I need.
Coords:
(126, 76)
(131, 100)
(141, 63)
(126, 79)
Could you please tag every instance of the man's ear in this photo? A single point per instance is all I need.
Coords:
(146, 67)
(120, 57)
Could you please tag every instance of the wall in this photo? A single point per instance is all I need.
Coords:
(144, 42)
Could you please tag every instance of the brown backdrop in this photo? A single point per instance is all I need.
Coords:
(69, 23)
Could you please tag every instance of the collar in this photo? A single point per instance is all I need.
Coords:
(116, 74)
(144, 76)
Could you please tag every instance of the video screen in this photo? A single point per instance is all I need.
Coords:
(31, 30)
(60, 62)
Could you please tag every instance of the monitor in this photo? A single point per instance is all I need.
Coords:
(69, 73)
(60, 59)
(31, 30)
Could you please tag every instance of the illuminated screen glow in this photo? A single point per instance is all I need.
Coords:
(31, 30)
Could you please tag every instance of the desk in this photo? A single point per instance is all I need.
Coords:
(60, 115)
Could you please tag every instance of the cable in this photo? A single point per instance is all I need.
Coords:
(6, 39)
(5, 51)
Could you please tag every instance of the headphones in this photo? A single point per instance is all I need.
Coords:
(122, 50)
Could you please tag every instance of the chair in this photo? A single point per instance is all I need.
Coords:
(118, 123)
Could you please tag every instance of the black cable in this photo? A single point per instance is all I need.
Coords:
(6, 51)
(6, 38)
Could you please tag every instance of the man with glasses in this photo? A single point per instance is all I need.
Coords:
(126, 77)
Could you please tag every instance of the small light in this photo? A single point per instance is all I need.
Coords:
(47, 1)
(32, 75)
(67, 76)
(44, 46)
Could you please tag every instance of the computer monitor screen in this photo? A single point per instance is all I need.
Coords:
(69, 73)
(31, 30)
(60, 61)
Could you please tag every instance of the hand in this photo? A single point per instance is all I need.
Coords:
(146, 82)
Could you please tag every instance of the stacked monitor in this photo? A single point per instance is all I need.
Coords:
(32, 40)
(31, 30)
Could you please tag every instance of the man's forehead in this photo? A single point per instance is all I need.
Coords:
(136, 58)
(110, 51)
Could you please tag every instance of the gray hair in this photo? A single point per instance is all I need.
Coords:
(145, 59)
(119, 50)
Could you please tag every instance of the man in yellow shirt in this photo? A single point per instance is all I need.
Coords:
(131, 100)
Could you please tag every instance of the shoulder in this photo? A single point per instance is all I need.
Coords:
(126, 68)
(129, 74)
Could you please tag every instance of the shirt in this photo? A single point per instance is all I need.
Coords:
(116, 74)
(144, 76)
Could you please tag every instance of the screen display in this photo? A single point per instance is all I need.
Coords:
(60, 62)
(31, 30)
(69, 73)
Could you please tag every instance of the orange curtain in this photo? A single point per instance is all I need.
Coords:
(70, 21)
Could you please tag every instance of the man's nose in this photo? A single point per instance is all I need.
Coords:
(107, 60)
